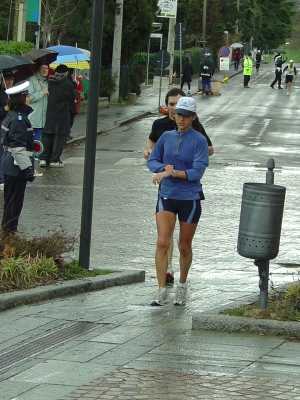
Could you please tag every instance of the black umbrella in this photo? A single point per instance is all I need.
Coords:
(279, 51)
(11, 61)
(37, 55)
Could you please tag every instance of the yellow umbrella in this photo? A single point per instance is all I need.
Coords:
(75, 64)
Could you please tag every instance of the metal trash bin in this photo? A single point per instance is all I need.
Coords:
(260, 220)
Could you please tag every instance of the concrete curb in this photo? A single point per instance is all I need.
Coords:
(69, 288)
(214, 321)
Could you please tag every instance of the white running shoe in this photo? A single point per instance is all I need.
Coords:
(160, 297)
(180, 296)
(58, 164)
(288, 93)
(42, 163)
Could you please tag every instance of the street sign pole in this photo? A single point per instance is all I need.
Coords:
(160, 81)
(180, 44)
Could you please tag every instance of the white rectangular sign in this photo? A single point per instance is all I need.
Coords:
(156, 35)
(224, 63)
(167, 8)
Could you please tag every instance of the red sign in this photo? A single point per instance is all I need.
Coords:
(224, 51)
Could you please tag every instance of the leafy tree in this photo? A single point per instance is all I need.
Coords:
(70, 22)
(6, 19)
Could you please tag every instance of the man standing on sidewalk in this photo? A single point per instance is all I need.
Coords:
(57, 125)
(248, 68)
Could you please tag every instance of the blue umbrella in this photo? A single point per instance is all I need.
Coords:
(69, 55)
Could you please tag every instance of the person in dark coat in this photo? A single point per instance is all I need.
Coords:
(17, 165)
(187, 73)
(73, 107)
(57, 126)
(207, 69)
(278, 72)
(258, 59)
(6, 83)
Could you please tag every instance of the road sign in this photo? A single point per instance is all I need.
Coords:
(156, 35)
(167, 8)
(224, 63)
(224, 51)
(162, 59)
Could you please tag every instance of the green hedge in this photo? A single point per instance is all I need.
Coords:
(17, 48)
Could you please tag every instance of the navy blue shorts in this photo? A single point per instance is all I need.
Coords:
(187, 210)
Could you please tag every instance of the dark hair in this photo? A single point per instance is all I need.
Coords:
(61, 69)
(197, 125)
(186, 59)
(17, 101)
(174, 92)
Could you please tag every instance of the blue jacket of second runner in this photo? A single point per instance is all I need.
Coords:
(186, 151)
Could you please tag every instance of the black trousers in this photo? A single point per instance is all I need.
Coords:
(14, 192)
(53, 147)
(277, 79)
(183, 82)
(246, 80)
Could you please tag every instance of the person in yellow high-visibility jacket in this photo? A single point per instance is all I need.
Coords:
(248, 68)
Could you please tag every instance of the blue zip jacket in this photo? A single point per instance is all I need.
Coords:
(186, 151)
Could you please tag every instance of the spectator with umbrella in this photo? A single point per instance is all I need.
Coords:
(57, 126)
(38, 89)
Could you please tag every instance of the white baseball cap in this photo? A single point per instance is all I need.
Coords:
(207, 54)
(186, 106)
(19, 88)
(291, 61)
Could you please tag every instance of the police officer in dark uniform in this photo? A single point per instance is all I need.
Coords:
(278, 72)
(17, 164)
(6, 83)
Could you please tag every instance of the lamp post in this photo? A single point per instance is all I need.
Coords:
(226, 33)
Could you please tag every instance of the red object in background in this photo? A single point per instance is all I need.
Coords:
(79, 89)
(163, 110)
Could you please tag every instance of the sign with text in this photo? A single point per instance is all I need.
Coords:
(167, 8)
(224, 63)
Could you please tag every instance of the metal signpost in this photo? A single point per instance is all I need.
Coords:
(162, 59)
(180, 30)
(152, 36)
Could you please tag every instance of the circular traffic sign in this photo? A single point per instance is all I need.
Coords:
(162, 59)
(224, 51)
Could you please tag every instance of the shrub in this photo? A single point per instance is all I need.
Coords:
(12, 47)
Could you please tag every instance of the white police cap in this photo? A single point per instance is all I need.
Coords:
(19, 88)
